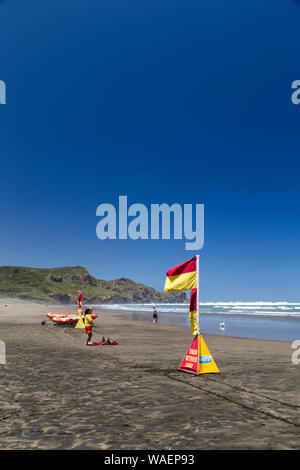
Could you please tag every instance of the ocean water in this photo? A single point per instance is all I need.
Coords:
(278, 321)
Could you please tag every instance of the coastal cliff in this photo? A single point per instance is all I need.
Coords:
(60, 285)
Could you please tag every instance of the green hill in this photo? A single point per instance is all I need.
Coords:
(60, 285)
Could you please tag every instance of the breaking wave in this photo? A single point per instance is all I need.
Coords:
(265, 309)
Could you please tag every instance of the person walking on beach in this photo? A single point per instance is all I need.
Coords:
(155, 315)
(88, 323)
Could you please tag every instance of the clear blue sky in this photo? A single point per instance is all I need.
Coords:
(163, 101)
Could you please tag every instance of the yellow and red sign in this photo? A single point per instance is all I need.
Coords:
(198, 359)
(80, 323)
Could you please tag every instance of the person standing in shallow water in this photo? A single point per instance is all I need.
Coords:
(88, 323)
(155, 315)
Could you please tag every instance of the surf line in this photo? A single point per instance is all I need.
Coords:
(114, 222)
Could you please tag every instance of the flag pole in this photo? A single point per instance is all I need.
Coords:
(198, 306)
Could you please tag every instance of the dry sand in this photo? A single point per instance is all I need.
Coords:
(57, 393)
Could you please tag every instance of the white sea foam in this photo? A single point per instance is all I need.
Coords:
(260, 308)
(263, 320)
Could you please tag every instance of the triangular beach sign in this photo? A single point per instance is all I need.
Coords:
(80, 323)
(198, 359)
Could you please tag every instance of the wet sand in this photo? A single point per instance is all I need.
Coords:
(57, 393)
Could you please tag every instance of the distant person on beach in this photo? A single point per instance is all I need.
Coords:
(88, 323)
(155, 315)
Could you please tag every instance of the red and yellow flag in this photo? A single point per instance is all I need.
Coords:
(79, 303)
(193, 312)
(183, 276)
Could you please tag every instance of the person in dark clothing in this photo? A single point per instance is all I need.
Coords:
(155, 315)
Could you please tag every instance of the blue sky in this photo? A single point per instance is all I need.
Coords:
(182, 101)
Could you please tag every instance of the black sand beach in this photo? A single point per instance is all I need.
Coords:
(57, 393)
